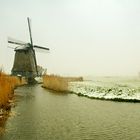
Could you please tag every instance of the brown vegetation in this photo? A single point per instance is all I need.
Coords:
(7, 85)
(58, 83)
(54, 82)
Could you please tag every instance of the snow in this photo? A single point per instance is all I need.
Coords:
(121, 89)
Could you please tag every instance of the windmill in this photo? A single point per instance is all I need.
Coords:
(25, 63)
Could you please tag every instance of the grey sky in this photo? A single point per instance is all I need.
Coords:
(86, 37)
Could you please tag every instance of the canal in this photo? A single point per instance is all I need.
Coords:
(41, 114)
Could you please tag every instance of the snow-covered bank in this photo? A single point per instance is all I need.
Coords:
(119, 91)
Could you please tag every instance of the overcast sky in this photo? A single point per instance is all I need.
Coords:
(85, 37)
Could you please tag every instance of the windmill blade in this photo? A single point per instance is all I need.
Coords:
(15, 41)
(29, 26)
(11, 47)
(31, 40)
(41, 49)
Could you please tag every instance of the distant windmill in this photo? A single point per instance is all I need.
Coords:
(25, 63)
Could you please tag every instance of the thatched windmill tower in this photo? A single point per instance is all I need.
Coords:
(25, 63)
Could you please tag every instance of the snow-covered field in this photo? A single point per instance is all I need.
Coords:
(111, 88)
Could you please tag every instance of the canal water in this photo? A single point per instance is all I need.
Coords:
(41, 114)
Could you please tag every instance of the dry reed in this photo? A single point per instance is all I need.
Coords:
(7, 85)
(58, 83)
(55, 82)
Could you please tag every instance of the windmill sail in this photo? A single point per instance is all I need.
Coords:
(41, 49)
(15, 41)
(34, 56)
(29, 25)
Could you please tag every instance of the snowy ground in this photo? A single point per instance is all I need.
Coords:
(111, 88)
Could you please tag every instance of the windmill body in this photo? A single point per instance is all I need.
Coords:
(25, 63)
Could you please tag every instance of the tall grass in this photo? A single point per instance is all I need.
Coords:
(55, 82)
(58, 83)
(7, 85)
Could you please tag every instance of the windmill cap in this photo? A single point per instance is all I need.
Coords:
(25, 47)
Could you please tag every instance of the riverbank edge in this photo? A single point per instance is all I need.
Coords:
(50, 89)
(5, 109)
(102, 98)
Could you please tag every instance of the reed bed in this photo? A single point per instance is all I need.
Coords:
(58, 83)
(55, 82)
(7, 85)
